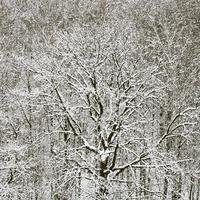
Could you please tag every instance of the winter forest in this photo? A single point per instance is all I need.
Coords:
(100, 100)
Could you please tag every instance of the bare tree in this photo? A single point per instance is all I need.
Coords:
(99, 100)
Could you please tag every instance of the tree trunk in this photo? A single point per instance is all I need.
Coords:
(198, 190)
(142, 182)
(47, 170)
(176, 193)
(103, 189)
(165, 188)
(191, 194)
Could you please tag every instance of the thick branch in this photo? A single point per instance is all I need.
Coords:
(122, 168)
(114, 157)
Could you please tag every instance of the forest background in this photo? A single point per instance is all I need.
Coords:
(99, 99)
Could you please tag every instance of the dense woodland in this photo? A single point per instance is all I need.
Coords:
(100, 100)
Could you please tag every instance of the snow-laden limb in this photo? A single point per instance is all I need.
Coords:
(122, 168)
(170, 130)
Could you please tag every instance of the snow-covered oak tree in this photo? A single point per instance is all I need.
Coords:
(99, 100)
